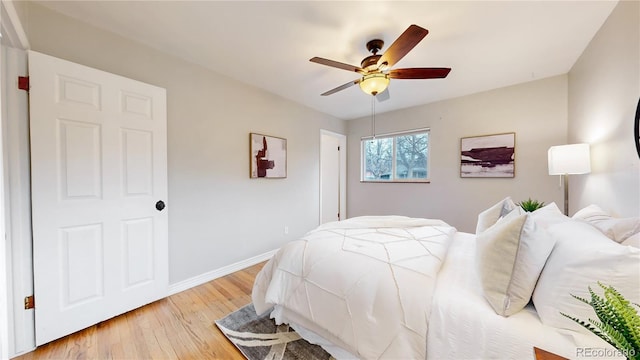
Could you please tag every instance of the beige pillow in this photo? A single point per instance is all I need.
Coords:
(617, 229)
(495, 212)
(510, 256)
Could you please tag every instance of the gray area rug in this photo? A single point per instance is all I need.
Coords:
(260, 338)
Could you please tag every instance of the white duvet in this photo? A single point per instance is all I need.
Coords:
(367, 281)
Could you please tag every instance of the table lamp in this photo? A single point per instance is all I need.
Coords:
(567, 160)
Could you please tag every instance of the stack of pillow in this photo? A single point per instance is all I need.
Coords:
(625, 231)
(546, 256)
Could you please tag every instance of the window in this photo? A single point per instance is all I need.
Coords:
(398, 157)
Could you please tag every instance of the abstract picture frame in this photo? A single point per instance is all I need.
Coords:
(488, 156)
(268, 156)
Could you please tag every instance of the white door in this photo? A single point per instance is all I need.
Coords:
(332, 176)
(98, 158)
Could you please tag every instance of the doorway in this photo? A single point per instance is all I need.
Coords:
(333, 176)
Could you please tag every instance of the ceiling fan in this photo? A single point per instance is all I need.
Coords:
(376, 69)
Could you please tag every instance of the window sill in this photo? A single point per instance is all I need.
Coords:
(396, 181)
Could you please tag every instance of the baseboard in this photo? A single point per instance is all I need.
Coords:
(22, 352)
(212, 275)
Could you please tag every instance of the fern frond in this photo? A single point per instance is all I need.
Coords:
(591, 328)
(619, 322)
(581, 299)
(626, 316)
(618, 339)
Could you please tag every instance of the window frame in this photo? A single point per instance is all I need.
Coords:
(394, 136)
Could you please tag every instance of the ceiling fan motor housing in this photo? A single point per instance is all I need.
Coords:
(370, 62)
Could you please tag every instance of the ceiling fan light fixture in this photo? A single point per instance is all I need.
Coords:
(373, 84)
(376, 69)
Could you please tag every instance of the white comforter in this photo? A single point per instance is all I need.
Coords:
(367, 281)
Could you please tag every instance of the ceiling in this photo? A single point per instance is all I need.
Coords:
(268, 44)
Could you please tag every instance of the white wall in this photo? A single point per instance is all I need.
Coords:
(535, 111)
(604, 86)
(218, 215)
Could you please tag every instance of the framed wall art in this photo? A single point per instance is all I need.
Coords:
(488, 156)
(636, 129)
(268, 156)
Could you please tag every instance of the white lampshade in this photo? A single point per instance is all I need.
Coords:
(374, 84)
(569, 159)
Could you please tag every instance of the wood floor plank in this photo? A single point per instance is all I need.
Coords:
(110, 345)
(181, 326)
(83, 345)
(231, 290)
(220, 298)
(178, 338)
(156, 334)
(215, 306)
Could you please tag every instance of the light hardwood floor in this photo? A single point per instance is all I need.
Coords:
(180, 326)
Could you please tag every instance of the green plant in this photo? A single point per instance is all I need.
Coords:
(530, 205)
(619, 323)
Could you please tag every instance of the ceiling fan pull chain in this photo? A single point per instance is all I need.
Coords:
(373, 117)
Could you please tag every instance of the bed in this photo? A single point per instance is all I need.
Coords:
(393, 287)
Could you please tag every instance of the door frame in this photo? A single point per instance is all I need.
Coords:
(342, 140)
(14, 272)
(5, 260)
(17, 204)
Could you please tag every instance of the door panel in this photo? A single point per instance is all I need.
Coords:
(137, 150)
(98, 155)
(80, 159)
(76, 92)
(138, 245)
(82, 267)
(136, 105)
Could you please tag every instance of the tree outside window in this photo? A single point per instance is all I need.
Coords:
(379, 159)
(399, 158)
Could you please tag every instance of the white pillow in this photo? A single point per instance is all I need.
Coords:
(495, 212)
(617, 229)
(633, 240)
(593, 212)
(510, 256)
(548, 215)
(581, 257)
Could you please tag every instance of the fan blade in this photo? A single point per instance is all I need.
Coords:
(419, 73)
(341, 87)
(337, 64)
(383, 96)
(403, 44)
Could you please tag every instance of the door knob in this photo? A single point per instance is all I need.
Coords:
(160, 205)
